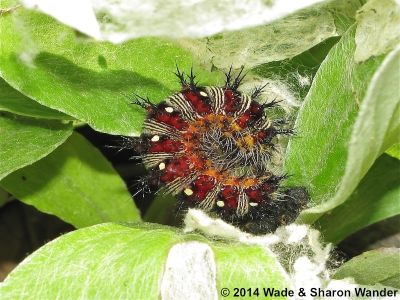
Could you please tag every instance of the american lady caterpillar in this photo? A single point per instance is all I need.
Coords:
(211, 146)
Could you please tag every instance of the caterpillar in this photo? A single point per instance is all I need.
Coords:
(211, 147)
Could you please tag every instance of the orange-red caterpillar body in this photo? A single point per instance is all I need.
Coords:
(212, 146)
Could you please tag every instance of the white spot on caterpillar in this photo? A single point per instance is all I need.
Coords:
(188, 192)
(161, 166)
(253, 204)
(220, 203)
(169, 109)
(155, 138)
(204, 94)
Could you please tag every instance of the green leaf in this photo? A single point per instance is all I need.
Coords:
(117, 261)
(107, 261)
(376, 128)
(75, 183)
(278, 40)
(373, 267)
(85, 79)
(383, 35)
(376, 198)
(338, 142)
(297, 73)
(13, 101)
(24, 140)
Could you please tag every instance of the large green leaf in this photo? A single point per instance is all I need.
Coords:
(278, 40)
(376, 198)
(75, 183)
(373, 267)
(24, 140)
(108, 261)
(339, 137)
(13, 101)
(85, 79)
(378, 29)
(117, 261)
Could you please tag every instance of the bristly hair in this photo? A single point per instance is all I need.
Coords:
(181, 77)
(234, 85)
(238, 79)
(228, 78)
(257, 91)
(192, 84)
(271, 104)
(140, 101)
(282, 212)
